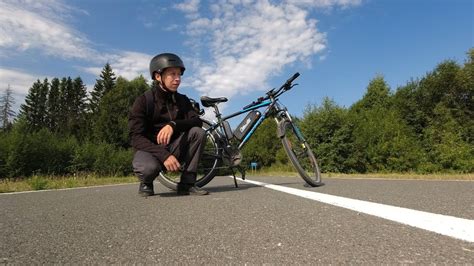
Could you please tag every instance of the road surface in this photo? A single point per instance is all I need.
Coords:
(252, 224)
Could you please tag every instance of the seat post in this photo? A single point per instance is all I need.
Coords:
(216, 111)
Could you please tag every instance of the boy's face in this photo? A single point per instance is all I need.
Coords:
(171, 78)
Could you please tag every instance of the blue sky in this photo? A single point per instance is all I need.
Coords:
(236, 48)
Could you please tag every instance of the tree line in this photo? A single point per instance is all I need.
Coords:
(424, 126)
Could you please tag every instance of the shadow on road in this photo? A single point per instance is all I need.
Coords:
(227, 188)
(212, 190)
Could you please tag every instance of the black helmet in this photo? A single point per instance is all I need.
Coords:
(162, 61)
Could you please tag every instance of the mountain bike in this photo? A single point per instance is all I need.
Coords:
(223, 145)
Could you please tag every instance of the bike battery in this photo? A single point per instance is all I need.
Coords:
(227, 130)
(246, 125)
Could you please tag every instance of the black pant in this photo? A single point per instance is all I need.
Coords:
(187, 148)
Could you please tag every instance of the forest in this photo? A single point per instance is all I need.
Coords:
(425, 126)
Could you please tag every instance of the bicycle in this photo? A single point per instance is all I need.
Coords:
(222, 150)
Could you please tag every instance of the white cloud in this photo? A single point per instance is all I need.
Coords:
(19, 81)
(42, 25)
(172, 27)
(249, 41)
(131, 64)
(126, 64)
(189, 6)
(324, 3)
(39, 24)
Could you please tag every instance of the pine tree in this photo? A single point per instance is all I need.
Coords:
(65, 104)
(34, 109)
(53, 106)
(96, 96)
(42, 104)
(78, 108)
(105, 84)
(111, 124)
(6, 112)
(108, 78)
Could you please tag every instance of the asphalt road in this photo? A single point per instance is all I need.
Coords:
(248, 225)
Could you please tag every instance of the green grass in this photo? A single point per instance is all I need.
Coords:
(39, 182)
(288, 171)
(410, 176)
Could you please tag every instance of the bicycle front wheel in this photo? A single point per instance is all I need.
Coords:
(300, 154)
(206, 167)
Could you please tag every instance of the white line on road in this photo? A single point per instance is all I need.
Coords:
(442, 224)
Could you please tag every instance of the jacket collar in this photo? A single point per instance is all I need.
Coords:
(162, 94)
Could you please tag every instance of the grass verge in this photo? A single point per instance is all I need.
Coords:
(408, 176)
(39, 182)
(399, 176)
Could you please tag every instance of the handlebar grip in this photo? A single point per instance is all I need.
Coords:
(293, 78)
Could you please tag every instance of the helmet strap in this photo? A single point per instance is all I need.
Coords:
(162, 84)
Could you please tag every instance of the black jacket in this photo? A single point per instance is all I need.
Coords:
(172, 109)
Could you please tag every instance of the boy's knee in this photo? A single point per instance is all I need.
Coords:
(145, 165)
(197, 132)
(147, 170)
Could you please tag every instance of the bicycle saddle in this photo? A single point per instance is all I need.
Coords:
(209, 102)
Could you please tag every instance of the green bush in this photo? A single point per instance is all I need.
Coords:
(4, 146)
(84, 157)
(39, 152)
(38, 183)
(103, 158)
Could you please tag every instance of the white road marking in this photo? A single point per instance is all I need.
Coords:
(458, 228)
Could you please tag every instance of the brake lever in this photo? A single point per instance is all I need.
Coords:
(292, 85)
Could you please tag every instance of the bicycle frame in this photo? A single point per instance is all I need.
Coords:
(272, 103)
(273, 108)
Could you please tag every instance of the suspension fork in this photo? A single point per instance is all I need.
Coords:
(281, 118)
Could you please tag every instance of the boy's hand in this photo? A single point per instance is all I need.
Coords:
(164, 135)
(172, 164)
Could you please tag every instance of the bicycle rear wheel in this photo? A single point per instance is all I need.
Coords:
(206, 167)
(300, 154)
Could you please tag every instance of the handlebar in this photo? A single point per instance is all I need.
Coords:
(287, 85)
(296, 75)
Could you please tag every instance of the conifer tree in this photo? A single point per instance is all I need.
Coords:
(111, 124)
(102, 86)
(77, 108)
(65, 104)
(6, 108)
(34, 108)
(54, 105)
(96, 96)
(108, 78)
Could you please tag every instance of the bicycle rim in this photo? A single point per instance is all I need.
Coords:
(301, 155)
(206, 167)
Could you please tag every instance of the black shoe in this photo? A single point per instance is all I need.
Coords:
(191, 190)
(146, 189)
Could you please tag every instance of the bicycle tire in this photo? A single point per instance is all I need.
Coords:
(206, 168)
(300, 154)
